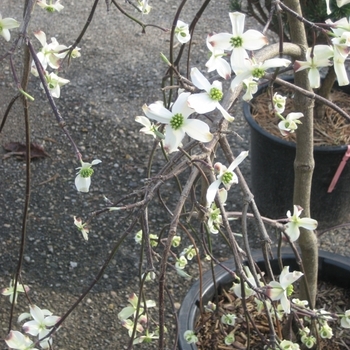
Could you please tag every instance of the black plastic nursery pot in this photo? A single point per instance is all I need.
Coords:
(272, 177)
(333, 268)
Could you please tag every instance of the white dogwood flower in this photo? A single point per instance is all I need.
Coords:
(209, 100)
(239, 41)
(177, 122)
(317, 57)
(40, 325)
(83, 178)
(81, 227)
(18, 341)
(10, 291)
(5, 25)
(225, 176)
(47, 54)
(292, 227)
(290, 123)
(256, 71)
(216, 61)
(283, 289)
(50, 7)
(54, 83)
(182, 32)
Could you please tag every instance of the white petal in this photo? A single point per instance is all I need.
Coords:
(238, 160)
(181, 105)
(6, 34)
(237, 22)
(276, 62)
(202, 103)
(292, 230)
(314, 78)
(287, 278)
(9, 23)
(198, 130)
(96, 161)
(309, 224)
(82, 183)
(41, 36)
(173, 138)
(144, 121)
(157, 112)
(211, 192)
(37, 314)
(225, 114)
(254, 40)
(199, 80)
(238, 59)
(221, 41)
(31, 327)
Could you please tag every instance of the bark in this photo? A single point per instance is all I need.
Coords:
(304, 162)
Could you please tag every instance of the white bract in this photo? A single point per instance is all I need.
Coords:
(345, 320)
(50, 7)
(292, 227)
(290, 123)
(239, 41)
(81, 227)
(316, 57)
(225, 176)
(83, 178)
(209, 100)
(5, 25)
(182, 32)
(10, 291)
(177, 122)
(216, 61)
(16, 340)
(283, 289)
(40, 325)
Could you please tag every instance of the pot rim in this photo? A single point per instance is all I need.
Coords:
(189, 309)
(254, 125)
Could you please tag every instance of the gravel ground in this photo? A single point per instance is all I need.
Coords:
(118, 72)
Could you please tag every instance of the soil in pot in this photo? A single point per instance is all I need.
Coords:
(212, 332)
(330, 130)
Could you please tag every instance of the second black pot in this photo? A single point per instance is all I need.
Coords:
(272, 177)
(332, 268)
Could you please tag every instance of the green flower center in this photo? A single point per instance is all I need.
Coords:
(177, 121)
(258, 73)
(50, 9)
(289, 290)
(227, 177)
(236, 41)
(216, 94)
(86, 172)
